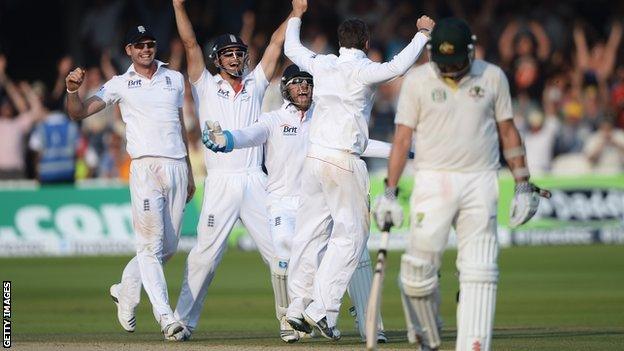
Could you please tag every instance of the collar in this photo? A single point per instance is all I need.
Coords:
(131, 71)
(246, 76)
(476, 69)
(292, 109)
(351, 53)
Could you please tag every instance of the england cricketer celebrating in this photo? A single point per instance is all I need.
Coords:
(235, 186)
(285, 135)
(459, 108)
(150, 97)
(334, 181)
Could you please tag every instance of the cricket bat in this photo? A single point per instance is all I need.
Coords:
(374, 300)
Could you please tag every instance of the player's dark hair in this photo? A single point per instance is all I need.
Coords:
(353, 33)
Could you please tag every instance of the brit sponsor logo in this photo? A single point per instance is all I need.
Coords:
(223, 93)
(288, 129)
(134, 84)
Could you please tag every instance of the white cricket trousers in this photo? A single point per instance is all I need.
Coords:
(228, 196)
(333, 215)
(158, 190)
(467, 201)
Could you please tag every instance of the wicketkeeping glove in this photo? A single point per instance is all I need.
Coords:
(387, 212)
(525, 202)
(216, 139)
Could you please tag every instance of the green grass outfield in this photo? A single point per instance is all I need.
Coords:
(549, 298)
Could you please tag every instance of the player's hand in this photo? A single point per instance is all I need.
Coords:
(299, 7)
(74, 79)
(525, 203)
(424, 23)
(190, 187)
(387, 212)
(178, 2)
(216, 139)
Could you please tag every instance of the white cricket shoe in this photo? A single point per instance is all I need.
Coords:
(287, 333)
(184, 335)
(125, 313)
(171, 329)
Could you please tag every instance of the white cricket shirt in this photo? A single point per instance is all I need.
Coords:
(149, 107)
(455, 128)
(216, 100)
(344, 87)
(285, 135)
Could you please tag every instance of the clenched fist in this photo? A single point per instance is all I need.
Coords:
(425, 23)
(74, 79)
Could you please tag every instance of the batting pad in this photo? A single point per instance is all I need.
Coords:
(419, 284)
(359, 291)
(478, 277)
(279, 277)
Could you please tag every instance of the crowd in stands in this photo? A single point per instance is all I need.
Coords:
(565, 69)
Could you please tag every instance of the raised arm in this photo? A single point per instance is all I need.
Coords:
(611, 49)
(194, 57)
(374, 73)
(272, 53)
(297, 53)
(76, 108)
(16, 97)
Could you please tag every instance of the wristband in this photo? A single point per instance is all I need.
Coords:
(72, 91)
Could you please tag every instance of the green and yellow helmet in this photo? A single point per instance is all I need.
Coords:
(452, 46)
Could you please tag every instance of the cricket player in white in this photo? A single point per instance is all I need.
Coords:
(334, 181)
(459, 109)
(285, 135)
(150, 97)
(235, 186)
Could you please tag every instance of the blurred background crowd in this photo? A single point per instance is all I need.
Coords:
(564, 61)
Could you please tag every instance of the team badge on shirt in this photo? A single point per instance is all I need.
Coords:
(168, 84)
(476, 92)
(438, 95)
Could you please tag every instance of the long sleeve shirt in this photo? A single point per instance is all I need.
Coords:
(344, 88)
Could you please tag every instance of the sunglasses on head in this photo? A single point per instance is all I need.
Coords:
(299, 80)
(233, 53)
(142, 45)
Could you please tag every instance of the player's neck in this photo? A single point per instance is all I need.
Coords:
(146, 71)
(235, 82)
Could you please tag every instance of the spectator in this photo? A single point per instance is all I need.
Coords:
(605, 149)
(539, 141)
(55, 141)
(16, 119)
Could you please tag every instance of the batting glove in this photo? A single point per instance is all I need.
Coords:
(216, 139)
(525, 203)
(387, 212)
